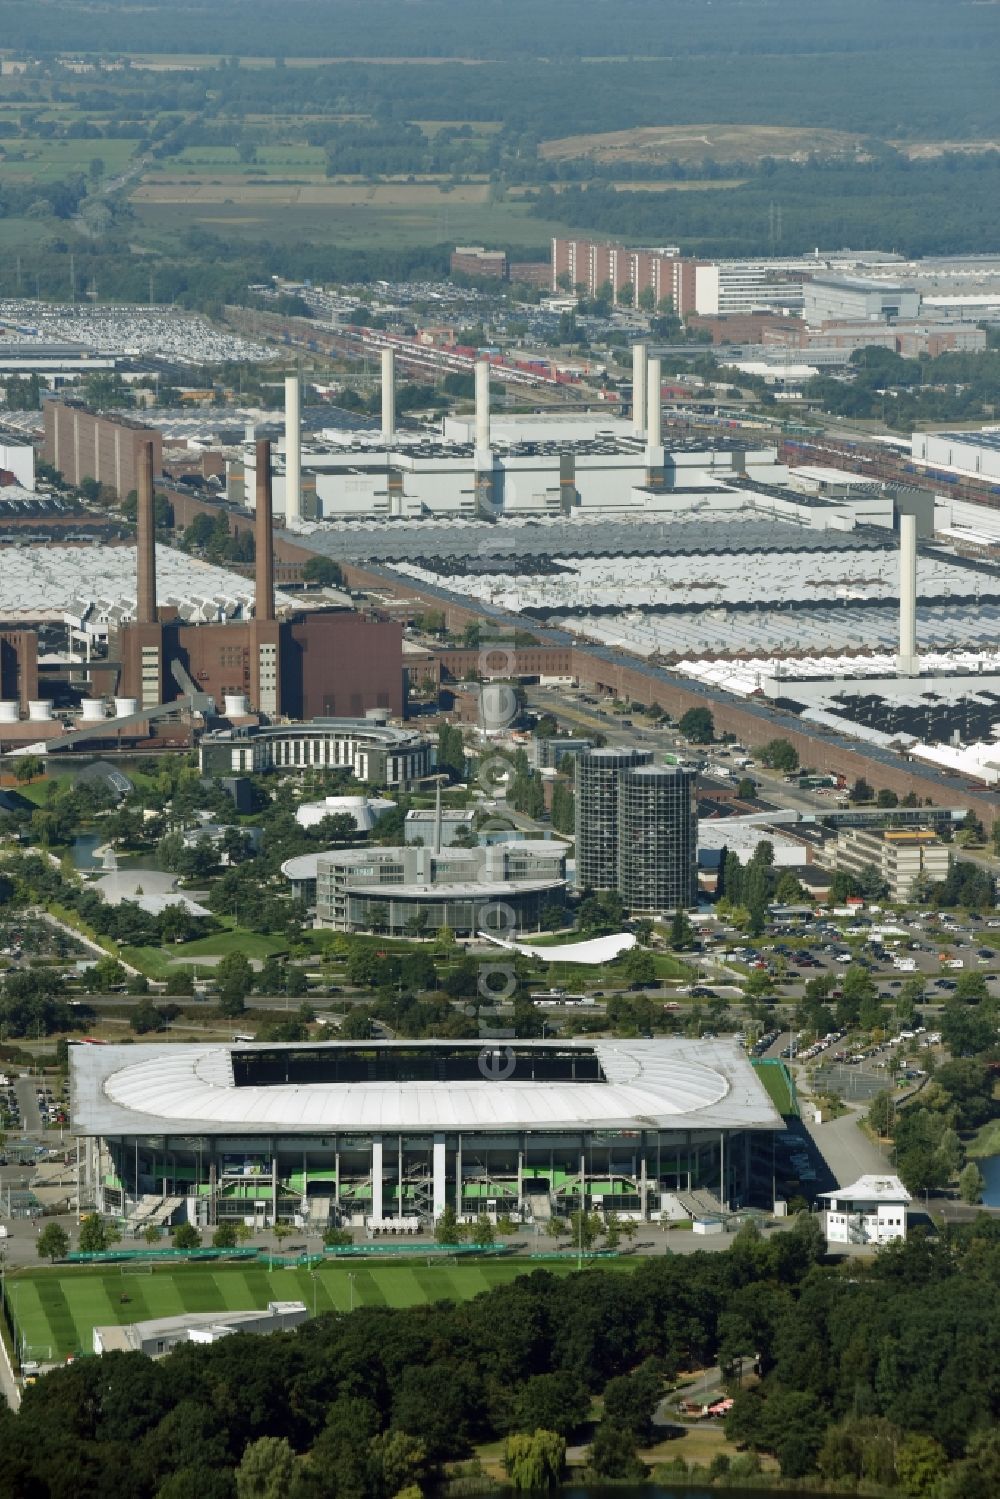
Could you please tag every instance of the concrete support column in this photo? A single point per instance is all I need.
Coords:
(399, 1179)
(440, 1164)
(458, 1177)
(274, 1188)
(723, 1183)
(643, 1182)
(377, 1178)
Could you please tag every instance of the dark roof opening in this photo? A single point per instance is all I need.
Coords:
(367, 1063)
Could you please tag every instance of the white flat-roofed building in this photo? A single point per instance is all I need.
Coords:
(161, 1334)
(871, 1210)
(393, 1131)
(849, 299)
(972, 454)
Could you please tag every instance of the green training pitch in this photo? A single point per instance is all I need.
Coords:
(57, 1309)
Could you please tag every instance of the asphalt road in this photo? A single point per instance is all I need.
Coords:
(846, 1149)
(31, 1119)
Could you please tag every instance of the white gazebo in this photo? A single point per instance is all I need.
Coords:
(871, 1210)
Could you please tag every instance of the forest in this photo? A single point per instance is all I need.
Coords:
(885, 1372)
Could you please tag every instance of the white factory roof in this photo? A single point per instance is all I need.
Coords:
(98, 584)
(671, 1083)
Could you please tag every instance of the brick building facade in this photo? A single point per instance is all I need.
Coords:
(85, 444)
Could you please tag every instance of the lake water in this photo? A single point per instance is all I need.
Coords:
(675, 1491)
(990, 1167)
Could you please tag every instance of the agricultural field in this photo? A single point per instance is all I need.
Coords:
(40, 160)
(692, 143)
(58, 1308)
(431, 217)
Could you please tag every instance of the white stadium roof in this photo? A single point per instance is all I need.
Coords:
(672, 1083)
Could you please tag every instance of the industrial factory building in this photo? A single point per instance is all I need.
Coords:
(542, 465)
(205, 638)
(387, 1134)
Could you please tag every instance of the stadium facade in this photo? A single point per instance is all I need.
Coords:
(385, 1134)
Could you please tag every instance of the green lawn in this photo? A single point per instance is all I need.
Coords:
(985, 1142)
(774, 1078)
(57, 1308)
(51, 160)
(161, 962)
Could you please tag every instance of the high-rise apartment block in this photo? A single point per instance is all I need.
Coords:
(635, 829)
(586, 263)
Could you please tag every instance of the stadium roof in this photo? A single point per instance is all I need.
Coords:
(669, 1083)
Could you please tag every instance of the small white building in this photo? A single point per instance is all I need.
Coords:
(366, 811)
(870, 1211)
(162, 1334)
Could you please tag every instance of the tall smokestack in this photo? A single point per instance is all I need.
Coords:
(388, 395)
(145, 593)
(654, 417)
(907, 662)
(293, 449)
(639, 354)
(264, 537)
(482, 406)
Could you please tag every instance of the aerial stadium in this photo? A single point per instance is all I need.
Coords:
(384, 1135)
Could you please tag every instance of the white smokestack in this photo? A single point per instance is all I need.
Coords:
(907, 662)
(654, 420)
(388, 395)
(482, 406)
(293, 449)
(639, 354)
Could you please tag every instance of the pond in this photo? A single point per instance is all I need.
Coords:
(990, 1167)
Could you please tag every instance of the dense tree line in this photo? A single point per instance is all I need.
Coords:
(890, 201)
(886, 1371)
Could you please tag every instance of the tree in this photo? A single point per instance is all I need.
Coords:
(781, 755)
(186, 1236)
(484, 1231)
(53, 1242)
(447, 1229)
(535, 1462)
(324, 571)
(639, 967)
(93, 1235)
(266, 1469)
(746, 789)
(613, 1455)
(861, 791)
(970, 1184)
(681, 931)
(882, 1114)
(886, 798)
(27, 767)
(225, 1236)
(697, 725)
(234, 974)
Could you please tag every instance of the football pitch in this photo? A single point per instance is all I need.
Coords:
(55, 1310)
